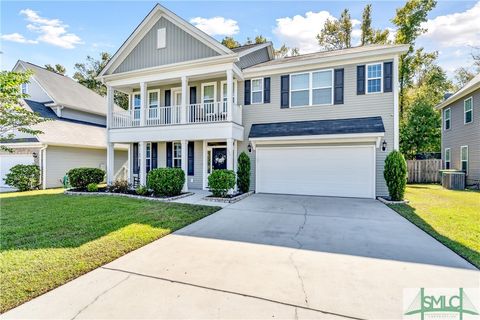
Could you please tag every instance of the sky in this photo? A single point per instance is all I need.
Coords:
(66, 32)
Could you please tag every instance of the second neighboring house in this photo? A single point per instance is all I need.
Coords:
(461, 131)
(74, 135)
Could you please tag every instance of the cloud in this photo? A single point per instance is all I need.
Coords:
(52, 31)
(456, 29)
(17, 37)
(216, 26)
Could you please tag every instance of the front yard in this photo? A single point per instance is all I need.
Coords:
(48, 238)
(452, 217)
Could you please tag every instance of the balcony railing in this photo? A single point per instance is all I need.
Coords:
(162, 116)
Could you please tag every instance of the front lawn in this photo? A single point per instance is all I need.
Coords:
(48, 238)
(450, 216)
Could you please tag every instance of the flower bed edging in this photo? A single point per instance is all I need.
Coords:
(229, 200)
(385, 201)
(168, 199)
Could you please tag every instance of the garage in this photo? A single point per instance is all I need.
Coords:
(340, 171)
(9, 160)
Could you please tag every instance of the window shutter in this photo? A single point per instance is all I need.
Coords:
(168, 98)
(154, 155)
(247, 92)
(387, 76)
(266, 90)
(361, 79)
(169, 154)
(136, 169)
(191, 150)
(284, 91)
(193, 95)
(338, 86)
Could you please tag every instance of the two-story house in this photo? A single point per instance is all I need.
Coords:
(314, 124)
(74, 135)
(461, 131)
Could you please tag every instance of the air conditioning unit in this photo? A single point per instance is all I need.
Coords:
(453, 180)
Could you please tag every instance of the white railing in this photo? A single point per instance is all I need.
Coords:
(194, 113)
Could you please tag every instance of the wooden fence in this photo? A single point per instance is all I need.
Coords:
(424, 171)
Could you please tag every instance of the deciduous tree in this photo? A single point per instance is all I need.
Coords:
(336, 34)
(230, 43)
(57, 69)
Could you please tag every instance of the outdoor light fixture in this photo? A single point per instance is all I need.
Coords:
(35, 155)
(249, 147)
(384, 145)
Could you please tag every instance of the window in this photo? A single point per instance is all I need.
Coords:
(447, 158)
(224, 94)
(311, 88)
(446, 117)
(153, 103)
(468, 110)
(177, 155)
(464, 158)
(161, 38)
(24, 88)
(257, 91)
(136, 105)
(374, 78)
(148, 156)
(208, 93)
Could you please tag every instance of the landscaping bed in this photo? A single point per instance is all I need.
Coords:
(128, 193)
(230, 198)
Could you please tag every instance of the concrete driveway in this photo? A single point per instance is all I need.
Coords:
(268, 256)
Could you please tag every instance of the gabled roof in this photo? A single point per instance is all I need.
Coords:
(471, 86)
(65, 91)
(157, 12)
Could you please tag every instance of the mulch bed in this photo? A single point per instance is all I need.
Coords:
(129, 194)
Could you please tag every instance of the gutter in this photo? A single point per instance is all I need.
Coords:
(43, 161)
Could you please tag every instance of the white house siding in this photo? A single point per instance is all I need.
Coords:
(355, 106)
(61, 159)
(36, 93)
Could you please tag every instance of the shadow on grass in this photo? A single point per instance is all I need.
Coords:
(409, 213)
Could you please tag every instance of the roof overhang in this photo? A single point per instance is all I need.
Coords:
(457, 96)
(267, 45)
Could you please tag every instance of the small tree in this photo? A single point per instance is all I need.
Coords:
(243, 172)
(221, 181)
(23, 177)
(395, 174)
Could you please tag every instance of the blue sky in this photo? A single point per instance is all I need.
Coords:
(66, 32)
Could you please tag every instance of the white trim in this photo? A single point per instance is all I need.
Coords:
(375, 78)
(449, 158)
(458, 95)
(207, 84)
(351, 137)
(251, 90)
(465, 112)
(467, 160)
(396, 113)
(445, 119)
(311, 88)
(44, 166)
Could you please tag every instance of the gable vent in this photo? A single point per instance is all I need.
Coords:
(161, 38)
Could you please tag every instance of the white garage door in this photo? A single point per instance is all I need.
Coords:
(10, 160)
(341, 171)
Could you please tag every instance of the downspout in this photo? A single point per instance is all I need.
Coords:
(43, 161)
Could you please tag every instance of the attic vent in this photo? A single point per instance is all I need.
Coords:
(161, 38)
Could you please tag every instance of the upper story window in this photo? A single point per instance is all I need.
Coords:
(446, 118)
(311, 88)
(374, 78)
(468, 110)
(153, 99)
(464, 158)
(208, 93)
(24, 88)
(161, 38)
(136, 102)
(257, 91)
(224, 91)
(447, 158)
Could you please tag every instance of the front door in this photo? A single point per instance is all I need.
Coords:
(219, 158)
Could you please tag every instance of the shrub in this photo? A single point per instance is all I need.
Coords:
(166, 181)
(243, 172)
(81, 177)
(221, 181)
(23, 177)
(395, 174)
(141, 190)
(119, 186)
(92, 187)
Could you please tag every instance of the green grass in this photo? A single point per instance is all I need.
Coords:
(48, 238)
(450, 216)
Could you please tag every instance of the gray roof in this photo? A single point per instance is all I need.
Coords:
(317, 127)
(246, 47)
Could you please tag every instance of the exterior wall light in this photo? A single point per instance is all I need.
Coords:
(249, 147)
(35, 155)
(384, 145)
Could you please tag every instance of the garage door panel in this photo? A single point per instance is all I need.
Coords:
(327, 171)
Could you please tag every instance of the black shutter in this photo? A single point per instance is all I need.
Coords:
(193, 95)
(361, 79)
(246, 96)
(168, 101)
(266, 90)
(338, 86)
(169, 154)
(387, 76)
(154, 155)
(191, 151)
(284, 91)
(136, 169)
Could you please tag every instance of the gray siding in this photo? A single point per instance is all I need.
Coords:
(253, 58)
(36, 93)
(180, 46)
(83, 116)
(461, 134)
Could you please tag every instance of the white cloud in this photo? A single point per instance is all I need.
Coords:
(216, 26)
(52, 31)
(17, 37)
(456, 29)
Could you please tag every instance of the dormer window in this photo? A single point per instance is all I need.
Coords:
(24, 88)
(161, 38)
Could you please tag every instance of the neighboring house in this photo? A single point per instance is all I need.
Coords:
(74, 136)
(314, 124)
(461, 131)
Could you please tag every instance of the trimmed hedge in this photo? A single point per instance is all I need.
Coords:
(82, 177)
(243, 173)
(166, 181)
(395, 174)
(23, 177)
(221, 181)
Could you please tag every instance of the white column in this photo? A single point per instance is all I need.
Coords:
(110, 163)
(185, 162)
(143, 164)
(143, 103)
(110, 93)
(205, 165)
(129, 163)
(396, 113)
(235, 158)
(183, 110)
(230, 156)
(229, 94)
